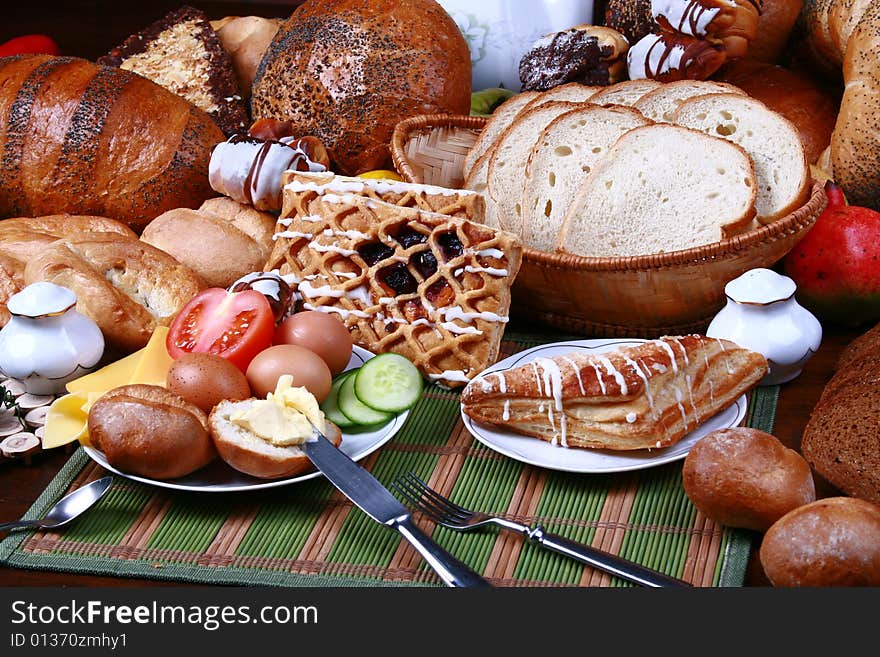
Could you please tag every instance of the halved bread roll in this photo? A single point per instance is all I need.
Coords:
(565, 153)
(770, 139)
(661, 188)
(252, 455)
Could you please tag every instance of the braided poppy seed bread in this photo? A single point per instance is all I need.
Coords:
(347, 71)
(93, 140)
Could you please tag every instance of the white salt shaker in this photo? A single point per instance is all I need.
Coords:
(762, 315)
(47, 342)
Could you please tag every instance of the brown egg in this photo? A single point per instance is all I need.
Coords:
(205, 380)
(307, 368)
(319, 332)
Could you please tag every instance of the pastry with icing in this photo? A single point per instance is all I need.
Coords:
(647, 396)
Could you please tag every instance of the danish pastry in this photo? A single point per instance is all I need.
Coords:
(641, 397)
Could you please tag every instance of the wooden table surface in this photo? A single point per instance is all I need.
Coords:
(89, 29)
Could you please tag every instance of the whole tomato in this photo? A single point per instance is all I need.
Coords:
(30, 44)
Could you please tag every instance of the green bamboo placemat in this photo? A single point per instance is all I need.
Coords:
(308, 534)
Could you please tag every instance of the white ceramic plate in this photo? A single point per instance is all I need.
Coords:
(220, 478)
(541, 453)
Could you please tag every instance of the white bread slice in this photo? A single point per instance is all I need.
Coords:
(501, 118)
(659, 105)
(573, 92)
(248, 453)
(477, 182)
(660, 188)
(510, 155)
(770, 140)
(565, 153)
(626, 93)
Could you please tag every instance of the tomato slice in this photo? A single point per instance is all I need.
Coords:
(234, 325)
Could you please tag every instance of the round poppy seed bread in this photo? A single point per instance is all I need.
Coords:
(347, 71)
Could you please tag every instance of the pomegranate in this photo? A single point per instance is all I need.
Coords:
(837, 264)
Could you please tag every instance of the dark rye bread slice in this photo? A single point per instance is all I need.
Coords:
(183, 53)
(841, 441)
(866, 344)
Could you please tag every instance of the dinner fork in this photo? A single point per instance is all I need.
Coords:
(445, 512)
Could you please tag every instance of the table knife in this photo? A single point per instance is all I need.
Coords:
(376, 501)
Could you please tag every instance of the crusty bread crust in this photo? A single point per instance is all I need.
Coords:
(147, 430)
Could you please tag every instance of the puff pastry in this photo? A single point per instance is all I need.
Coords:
(640, 397)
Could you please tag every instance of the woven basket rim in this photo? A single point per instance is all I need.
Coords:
(776, 230)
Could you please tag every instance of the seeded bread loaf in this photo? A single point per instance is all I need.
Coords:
(770, 139)
(660, 188)
(565, 153)
(110, 143)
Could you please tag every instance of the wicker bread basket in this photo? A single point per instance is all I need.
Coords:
(637, 296)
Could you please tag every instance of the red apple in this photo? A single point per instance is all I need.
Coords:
(837, 264)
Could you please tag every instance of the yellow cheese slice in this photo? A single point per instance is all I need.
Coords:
(112, 376)
(152, 368)
(68, 419)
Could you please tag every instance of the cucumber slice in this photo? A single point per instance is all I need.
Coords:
(389, 383)
(354, 409)
(331, 403)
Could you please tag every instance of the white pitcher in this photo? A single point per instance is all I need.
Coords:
(762, 315)
(47, 343)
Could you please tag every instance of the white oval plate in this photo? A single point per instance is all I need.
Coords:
(541, 453)
(218, 477)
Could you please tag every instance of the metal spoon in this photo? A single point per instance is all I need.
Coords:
(67, 508)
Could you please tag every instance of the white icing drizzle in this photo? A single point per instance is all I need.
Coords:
(450, 375)
(312, 218)
(711, 391)
(492, 271)
(552, 379)
(684, 352)
(292, 234)
(330, 248)
(537, 377)
(456, 312)
(612, 371)
(678, 399)
(690, 389)
(307, 289)
(452, 327)
(598, 376)
(381, 186)
(644, 378)
(339, 311)
(346, 274)
(502, 382)
(286, 222)
(671, 353)
(506, 415)
(631, 417)
(422, 321)
(491, 253)
(350, 234)
(577, 373)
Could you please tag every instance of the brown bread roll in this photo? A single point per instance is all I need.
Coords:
(125, 285)
(347, 71)
(149, 431)
(742, 477)
(775, 25)
(246, 38)
(87, 139)
(830, 542)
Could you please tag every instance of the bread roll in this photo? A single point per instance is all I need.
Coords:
(349, 71)
(87, 139)
(221, 249)
(830, 542)
(775, 25)
(799, 98)
(252, 455)
(744, 477)
(125, 285)
(147, 430)
(246, 38)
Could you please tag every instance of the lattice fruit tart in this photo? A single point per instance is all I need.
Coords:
(402, 265)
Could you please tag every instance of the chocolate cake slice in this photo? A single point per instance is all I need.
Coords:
(183, 53)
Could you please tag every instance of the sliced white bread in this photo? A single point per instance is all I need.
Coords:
(565, 153)
(770, 140)
(660, 188)
(510, 155)
(659, 105)
(476, 181)
(495, 125)
(626, 93)
(248, 453)
(573, 92)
